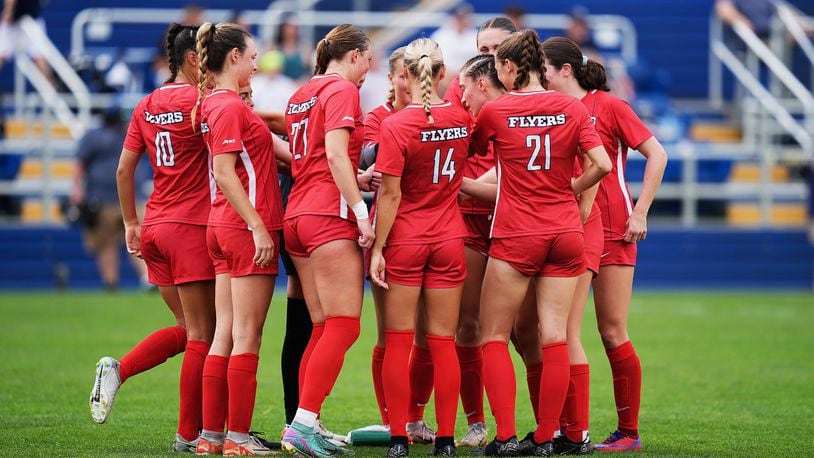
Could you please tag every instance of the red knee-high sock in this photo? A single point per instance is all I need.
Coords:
(421, 379)
(533, 374)
(396, 379)
(215, 393)
(553, 390)
(378, 388)
(627, 386)
(446, 381)
(326, 360)
(242, 391)
(500, 384)
(316, 334)
(191, 395)
(577, 402)
(471, 361)
(152, 351)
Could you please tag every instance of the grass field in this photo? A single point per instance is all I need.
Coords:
(724, 374)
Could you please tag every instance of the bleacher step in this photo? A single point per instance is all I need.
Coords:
(715, 132)
(747, 214)
(20, 128)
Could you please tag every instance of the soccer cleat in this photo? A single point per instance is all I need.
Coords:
(544, 449)
(447, 450)
(619, 442)
(564, 446)
(509, 447)
(104, 390)
(208, 447)
(419, 433)
(330, 437)
(525, 445)
(251, 447)
(397, 450)
(181, 445)
(259, 435)
(476, 436)
(303, 441)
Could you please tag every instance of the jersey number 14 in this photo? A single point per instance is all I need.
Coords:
(448, 170)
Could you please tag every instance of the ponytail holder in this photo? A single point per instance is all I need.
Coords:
(326, 42)
(584, 59)
(423, 56)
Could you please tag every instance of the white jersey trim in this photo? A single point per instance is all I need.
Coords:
(247, 164)
(620, 174)
(343, 207)
(497, 198)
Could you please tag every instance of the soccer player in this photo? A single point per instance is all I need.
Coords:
(326, 218)
(625, 224)
(477, 216)
(536, 135)
(171, 239)
(419, 248)
(242, 237)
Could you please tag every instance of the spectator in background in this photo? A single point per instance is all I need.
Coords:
(13, 10)
(271, 87)
(287, 41)
(94, 191)
(755, 14)
(193, 14)
(516, 14)
(376, 83)
(454, 38)
(579, 32)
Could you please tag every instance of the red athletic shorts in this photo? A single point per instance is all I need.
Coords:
(551, 255)
(434, 265)
(594, 238)
(175, 253)
(478, 227)
(305, 233)
(232, 251)
(618, 253)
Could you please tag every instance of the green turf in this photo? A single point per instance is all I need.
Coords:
(724, 374)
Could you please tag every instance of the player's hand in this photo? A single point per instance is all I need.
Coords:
(366, 234)
(263, 247)
(370, 180)
(636, 228)
(377, 267)
(132, 238)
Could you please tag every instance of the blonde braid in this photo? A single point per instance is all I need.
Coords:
(525, 60)
(203, 37)
(425, 80)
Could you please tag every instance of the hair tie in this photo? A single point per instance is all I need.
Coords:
(326, 42)
(584, 59)
(423, 56)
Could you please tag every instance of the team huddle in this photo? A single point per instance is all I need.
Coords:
(498, 206)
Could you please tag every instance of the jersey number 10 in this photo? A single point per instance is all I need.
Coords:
(533, 141)
(164, 154)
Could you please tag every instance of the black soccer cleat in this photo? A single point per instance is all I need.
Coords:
(564, 446)
(446, 450)
(509, 447)
(397, 450)
(271, 445)
(544, 449)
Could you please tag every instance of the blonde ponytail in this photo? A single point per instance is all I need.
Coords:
(424, 60)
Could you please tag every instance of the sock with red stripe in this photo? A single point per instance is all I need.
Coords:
(471, 361)
(316, 333)
(627, 387)
(396, 379)
(577, 402)
(553, 390)
(446, 381)
(191, 394)
(152, 351)
(421, 380)
(327, 359)
(215, 393)
(242, 380)
(378, 388)
(501, 388)
(533, 374)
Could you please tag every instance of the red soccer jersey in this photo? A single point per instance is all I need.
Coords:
(536, 136)
(425, 156)
(161, 126)
(229, 126)
(476, 165)
(578, 171)
(325, 103)
(373, 123)
(619, 128)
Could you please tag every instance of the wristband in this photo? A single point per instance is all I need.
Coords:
(360, 210)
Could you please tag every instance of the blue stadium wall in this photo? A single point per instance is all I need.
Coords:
(33, 258)
(666, 28)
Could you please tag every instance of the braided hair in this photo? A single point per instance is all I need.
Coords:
(482, 66)
(180, 40)
(424, 59)
(525, 50)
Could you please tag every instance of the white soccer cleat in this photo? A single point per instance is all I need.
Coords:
(104, 390)
(419, 433)
(476, 436)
